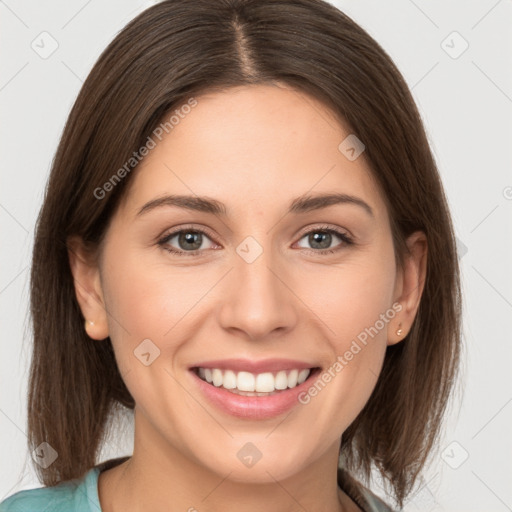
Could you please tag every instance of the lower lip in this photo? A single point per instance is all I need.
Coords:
(253, 407)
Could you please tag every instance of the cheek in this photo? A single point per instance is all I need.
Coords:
(143, 306)
(147, 298)
(357, 336)
(147, 308)
(352, 299)
(354, 307)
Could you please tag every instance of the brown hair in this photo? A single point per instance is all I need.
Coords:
(180, 48)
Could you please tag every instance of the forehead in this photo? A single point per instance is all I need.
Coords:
(254, 144)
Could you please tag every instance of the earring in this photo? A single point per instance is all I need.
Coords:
(399, 332)
(88, 322)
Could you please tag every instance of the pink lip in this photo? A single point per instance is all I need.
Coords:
(253, 407)
(248, 365)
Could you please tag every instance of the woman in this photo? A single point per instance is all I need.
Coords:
(245, 240)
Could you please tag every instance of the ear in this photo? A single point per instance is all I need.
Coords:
(409, 286)
(86, 277)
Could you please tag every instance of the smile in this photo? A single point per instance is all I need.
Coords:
(253, 390)
(250, 384)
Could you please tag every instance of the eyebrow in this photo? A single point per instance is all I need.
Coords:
(302, 204)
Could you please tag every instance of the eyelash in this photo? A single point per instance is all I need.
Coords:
(347, 240)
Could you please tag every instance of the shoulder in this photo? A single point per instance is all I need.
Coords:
(365, 499)
(79, 495)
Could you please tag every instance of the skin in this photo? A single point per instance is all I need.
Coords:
(255, 148)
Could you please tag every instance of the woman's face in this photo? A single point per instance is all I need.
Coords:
(258, 285)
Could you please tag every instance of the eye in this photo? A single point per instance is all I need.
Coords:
(321, 238)
(190, 241)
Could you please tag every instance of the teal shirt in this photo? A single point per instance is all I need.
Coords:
(81, 495)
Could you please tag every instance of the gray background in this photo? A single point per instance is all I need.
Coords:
(466, 103)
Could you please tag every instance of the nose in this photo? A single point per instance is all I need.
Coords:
(257, 300)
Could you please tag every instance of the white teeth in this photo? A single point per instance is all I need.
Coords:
(265, 382)
(292, 378)
(281, 380)
(303, 375)
(259, 384)
(229, 380)
(245, 381)
(217, 377)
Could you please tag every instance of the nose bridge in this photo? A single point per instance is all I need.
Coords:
(257, 301)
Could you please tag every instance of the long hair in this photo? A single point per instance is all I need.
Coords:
(166, 55)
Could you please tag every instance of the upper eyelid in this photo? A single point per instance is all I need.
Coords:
(178, 230)
(325, 227)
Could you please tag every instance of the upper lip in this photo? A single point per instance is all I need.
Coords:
(248, 365)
